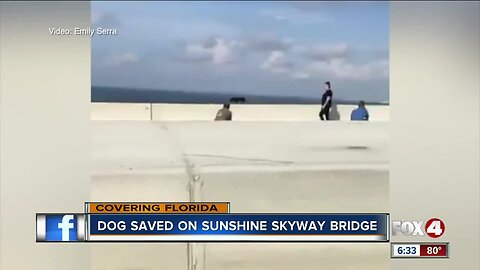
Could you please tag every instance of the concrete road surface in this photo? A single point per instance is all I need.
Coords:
(258, 167)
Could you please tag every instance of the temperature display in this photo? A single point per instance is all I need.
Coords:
(419, 250)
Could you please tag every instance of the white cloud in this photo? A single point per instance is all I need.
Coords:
(324, 52)
(223, 52)
(335, 60)
(295, 61)
(218, 51)
(115, 60)
(340, 68)
(280, 17)
(301, 75)
(277, 63)
(382, 67)
(295, 17)
(268, 42)
(197, 52)
(191, 28)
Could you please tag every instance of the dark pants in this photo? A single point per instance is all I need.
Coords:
(324, 113)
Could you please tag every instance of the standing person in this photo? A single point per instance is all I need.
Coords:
(326, 102)
(360, 113)
(224, 114)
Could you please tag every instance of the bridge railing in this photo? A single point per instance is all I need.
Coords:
(241, 112)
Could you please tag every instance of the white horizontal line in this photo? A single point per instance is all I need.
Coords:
(295, 167)
(235, 238)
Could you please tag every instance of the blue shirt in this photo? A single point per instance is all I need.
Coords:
(359, 114)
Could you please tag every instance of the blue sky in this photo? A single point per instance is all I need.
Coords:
(267, 48)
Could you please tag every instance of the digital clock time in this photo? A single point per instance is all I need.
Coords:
(406, 250)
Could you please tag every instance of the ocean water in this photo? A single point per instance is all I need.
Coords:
(132, 95)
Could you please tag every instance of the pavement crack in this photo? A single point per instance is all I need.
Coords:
(244, 159)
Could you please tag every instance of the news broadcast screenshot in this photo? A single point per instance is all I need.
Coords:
(239, 135)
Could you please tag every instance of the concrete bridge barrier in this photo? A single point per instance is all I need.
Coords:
(121, 111)
(241, 112)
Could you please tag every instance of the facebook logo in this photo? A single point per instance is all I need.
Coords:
(60, 228)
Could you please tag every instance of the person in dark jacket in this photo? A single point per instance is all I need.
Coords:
(326, 102)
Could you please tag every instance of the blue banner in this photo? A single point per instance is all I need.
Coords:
(238, 227)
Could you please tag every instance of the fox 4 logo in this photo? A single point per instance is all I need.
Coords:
(434, 227)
